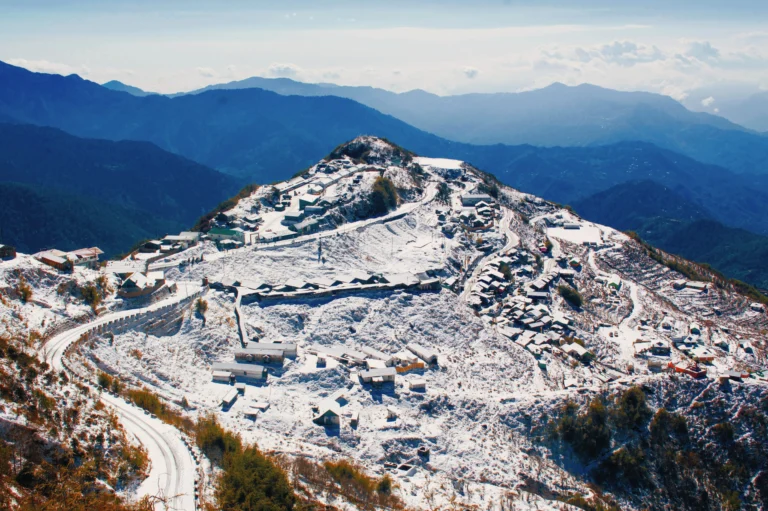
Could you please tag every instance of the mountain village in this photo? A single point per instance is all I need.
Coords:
(418, 339)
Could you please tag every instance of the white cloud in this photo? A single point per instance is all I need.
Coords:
(470, 72)
(206, 72)
(621, 53)
(284, 70)
(703, 51)
(45, 66)
(707, 102)
(331, 75)
(674, 91)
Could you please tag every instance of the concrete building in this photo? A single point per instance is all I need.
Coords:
(307, 200)
(418, 385)
(328, 414)
(660, 348)
(229, 398)
(288, 349)
(384, 375)
(472, 199)
(220, 234)
(306, 226)
(141, 284)
(184, 240)
(222, 376)
(697, 286)
(55, 259)
(388, 360)
(428, 356)
(575, 350)
(245, 371)
(259, 355)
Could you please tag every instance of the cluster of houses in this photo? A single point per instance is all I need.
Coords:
(535, 327)
(476, 214)
(611, 281)
(136, 280)
(686, 338)
(170, 244)
(376, 368)
(250, 364)
(233, 229)
(492, 284)
(66, 261)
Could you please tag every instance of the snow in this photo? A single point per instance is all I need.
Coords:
(439, 163)
(585, 234)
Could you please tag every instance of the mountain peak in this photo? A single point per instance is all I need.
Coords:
(371, 150)
(123, 87)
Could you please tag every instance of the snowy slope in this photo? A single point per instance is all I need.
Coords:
(458, 279)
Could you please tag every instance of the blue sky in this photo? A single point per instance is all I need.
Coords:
(446, 46)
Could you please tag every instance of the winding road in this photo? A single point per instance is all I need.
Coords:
(172, 472)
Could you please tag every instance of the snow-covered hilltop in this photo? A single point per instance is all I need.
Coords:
(414, 315)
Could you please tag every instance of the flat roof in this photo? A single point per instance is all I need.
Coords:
(372, 373)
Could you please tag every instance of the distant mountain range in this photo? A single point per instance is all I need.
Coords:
(61, 189)
(253, 134)
(737, 103)
(558, 115)
(261, 136)
(669, 221)
(122, 87)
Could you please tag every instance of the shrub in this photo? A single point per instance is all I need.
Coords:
(588, 432)
(249, 479)
(665, 424)
(570, 295)
(489, 187)
(252, 481)
(631, 408)
(201, 306)
(384, 485)
(152, 403)
(590, 505)
(214, 440)
(724, 432)
(731, 501)
(417, 174)
(505, 270)
(383, 196)
(443, 193)
(24, 290)
(90, 295)
(104, 380)
(626, 463)
(345, 473)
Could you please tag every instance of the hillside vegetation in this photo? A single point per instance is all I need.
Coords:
(653, 455)
(34, 219)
